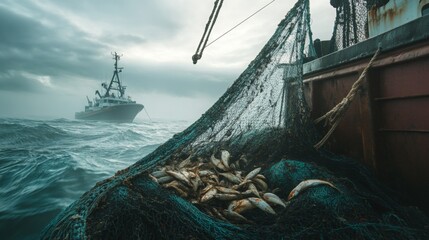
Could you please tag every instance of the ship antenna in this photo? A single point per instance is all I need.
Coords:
(115, 77)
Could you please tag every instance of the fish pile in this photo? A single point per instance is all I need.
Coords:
(221, 189)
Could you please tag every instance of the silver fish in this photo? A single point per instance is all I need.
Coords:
(233, 166)
(254, 190)
(307, 184)
(209, 195)
(179, 176)
(231, 177)
(240, 206)
(261, 184)
(204, 173)
(165, 179)
(177, 187)
(206, 189)
(227, 196)
(238, 174)
(185, 162)
(274, 199)
(153, 178)
(261, 204)
(217, 163)
(227, 190)
(247, 193)
(225, 156)
(262, 177)
(196, 183)
(214, 178)
(252, 174)
(188, 175)
(158, 174)
(241, 184)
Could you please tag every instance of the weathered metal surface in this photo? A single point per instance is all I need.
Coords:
(401, 94)
(403, 164)
(394, 14)
(408, 34)
(403, 114)
(387, 125)
(326, 94)
(408, 79)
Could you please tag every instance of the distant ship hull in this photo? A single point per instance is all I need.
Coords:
(116, 113)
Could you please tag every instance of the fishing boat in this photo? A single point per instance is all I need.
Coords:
(113, 105)
(387, 125)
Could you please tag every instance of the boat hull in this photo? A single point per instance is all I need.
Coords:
(117, 113)
(387, 125)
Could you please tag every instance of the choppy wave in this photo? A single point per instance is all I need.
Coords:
(46, 165)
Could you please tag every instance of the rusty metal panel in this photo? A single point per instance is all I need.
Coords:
(403, 162)
(387, 125)
(404, 79)
(395, 13)
(328, 93)
(401, 104)
(410, 114)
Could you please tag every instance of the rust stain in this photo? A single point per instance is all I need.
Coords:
(389, 15)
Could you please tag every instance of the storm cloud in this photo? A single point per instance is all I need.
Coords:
(62, 49)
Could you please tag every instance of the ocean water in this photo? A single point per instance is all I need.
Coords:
(47, 165)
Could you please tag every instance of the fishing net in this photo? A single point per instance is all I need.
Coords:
(262, 121)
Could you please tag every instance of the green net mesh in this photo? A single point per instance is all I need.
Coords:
(263, 121)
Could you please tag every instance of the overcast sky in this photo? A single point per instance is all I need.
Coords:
(55, 53)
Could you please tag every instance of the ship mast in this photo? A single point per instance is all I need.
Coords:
(115, 78)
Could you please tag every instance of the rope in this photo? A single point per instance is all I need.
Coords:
(209, 27)
(147, 114)
(198, 54)
(334, 116)
(239, 23)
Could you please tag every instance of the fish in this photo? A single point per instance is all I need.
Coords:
(240, 206)
(165, 179)
(238, 174)
(185, 162)
(204, 173)
(196, 183)
(261, 204)
(302, 186)
(261, 184)
(217, 163)
(227, 196)
(153, 178)
(181, 190)
(188, 175)
(225, 156)
(208, 187)
(241, 184)
(227, 190)
(254, 190)
(247, 193)
(209, 195)
(214, 177)
(231, 177)
(233, 166)
(274, 199)
(252, 174)
(76, 216)
(262, 177)
(179, 176)
(158, 174)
